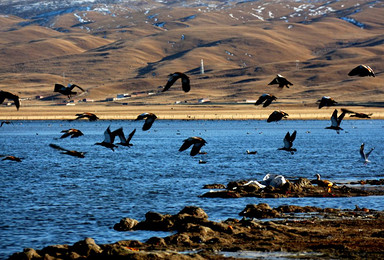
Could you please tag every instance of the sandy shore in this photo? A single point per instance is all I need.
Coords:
(181, 112)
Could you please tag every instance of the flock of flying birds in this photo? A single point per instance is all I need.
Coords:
(196, 142)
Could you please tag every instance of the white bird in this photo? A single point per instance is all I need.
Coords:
(364, 155)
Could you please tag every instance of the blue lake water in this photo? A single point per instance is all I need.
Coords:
(50, 198)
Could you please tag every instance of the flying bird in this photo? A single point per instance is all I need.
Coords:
(197, 143)
(364, 155)
(336, 121)
(69, 152)
(362, 71)
(326, 101)
(281, 81)
(67, 91)
(149, 119)
(89, 116)
(11, 158)
(72, 133)
(277, 116)
(109, 138)
(124, 141)
(356, 114)
(267, 98)
(288, 142)
(323, 183)
(5, 122)
(8, 95)
(185, 83)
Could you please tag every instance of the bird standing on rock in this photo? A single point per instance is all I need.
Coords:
(149, 119)
(323, 183)
(185, 82)
(8, 95)
(281, 81)
(197, 143)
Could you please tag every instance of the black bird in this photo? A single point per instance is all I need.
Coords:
(109, 138)
(362, 71)
(197, 143)
(67, 91)
(5, 122)
(11, 158)
(185, 83)
(356, 114)
(149, 119)
(326, 101)
(69, 152)
(364, 155)
(124, 141)
(336, 121)
(90, 116)
(8, 95)
(277, 116)
(281, 81)
(267, 98)
(288, 142)
(71, 132)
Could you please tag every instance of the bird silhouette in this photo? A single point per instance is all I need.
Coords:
(5, 122)
(72, 132)
(69, 152)
(8, 95)
(326, 101)
(149, 119)
(185, 82)
(277, 116)
(356, 114)
(124, 141)
(197, 143)
(336, 121)
(109, 138)
(87, 115)
(281, 81)
(364, 155)
(67, 91)
(323, 183)
(267, 98)
(362, 71)
(11, 158)
(288, 142)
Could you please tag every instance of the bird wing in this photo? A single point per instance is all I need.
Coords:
(185, 83)
(293, 136)
(274, 81)
(362, 154)
(196, 148)
(65, 135)
(286, 140)
(59, 87)
(16, 101)
(108, 137)
(142, 116)
(355, 71)
(340, 118)
(148, 123)
(120, 133)
(131, 135)
(261, 99)
(187, 143)
(76, 86)
(367, 154)
(269, 100)
(172, 79)
(334, 121)
(58, 147)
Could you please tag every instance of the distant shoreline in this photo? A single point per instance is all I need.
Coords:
(179, 112)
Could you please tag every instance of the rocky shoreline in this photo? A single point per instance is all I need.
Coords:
(294, 231)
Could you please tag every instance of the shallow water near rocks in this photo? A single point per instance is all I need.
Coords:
(50, 198)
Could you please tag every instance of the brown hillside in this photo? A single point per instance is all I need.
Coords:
(243, 47)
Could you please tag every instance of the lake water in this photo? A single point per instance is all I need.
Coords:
(50, 198)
